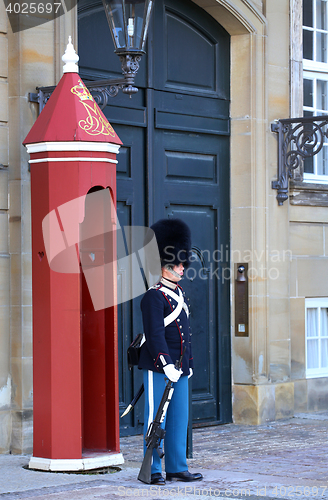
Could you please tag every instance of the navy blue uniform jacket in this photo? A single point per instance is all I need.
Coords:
(164, 345)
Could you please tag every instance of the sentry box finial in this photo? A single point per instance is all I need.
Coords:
(70, 58)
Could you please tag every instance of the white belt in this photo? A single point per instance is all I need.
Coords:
(181, 304)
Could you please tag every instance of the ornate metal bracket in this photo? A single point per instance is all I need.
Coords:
(100, 89)
(298, 139)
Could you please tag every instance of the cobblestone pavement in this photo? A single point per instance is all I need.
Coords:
(284, 459)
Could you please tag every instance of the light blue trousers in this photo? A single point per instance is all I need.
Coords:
(175, 423)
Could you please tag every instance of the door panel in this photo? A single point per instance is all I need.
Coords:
(198, 204)
(191, 113)
(202, 294)
(198, 53)
(192, 50)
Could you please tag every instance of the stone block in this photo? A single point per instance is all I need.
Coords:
(279, 319)
(241, 235)
(22, 432)
(15, 235)
(317, 394)
(15, 211)
(253, 404)
(4, 141)
(284, 400)
(278, 244)
(26, 218)
(21, 123)
(5, 434)
(300, 396)
(16, 331)
(21, 331)
(326, 240)
(241, 80)
(22, 383)
(26, 279)
(225, 18)
(293, 285)
(27, 383)
(306, 239)
(277, 14)
(279, 361)
(4, 280)
(3, 18)
(3, 189)
(3, 55)
(27, 332)
(37, 60)
(242, 360)
(258, 330)
(14, 65)
(3, 101)
(297, 333)
(277, 274)
(266, 402)
(16, 373)
(308, 214)
(4, 247)
(278, 92)
(5, 386)
(311, 280)
(15, 280)
(245, 404)
(241, 163)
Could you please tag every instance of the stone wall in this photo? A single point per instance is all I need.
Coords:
(5, 377)
(309, 245)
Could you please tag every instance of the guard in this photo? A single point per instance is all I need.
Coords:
(167, 331)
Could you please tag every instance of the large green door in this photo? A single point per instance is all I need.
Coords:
(175, 163)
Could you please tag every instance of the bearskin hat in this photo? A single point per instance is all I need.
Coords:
(174, 241)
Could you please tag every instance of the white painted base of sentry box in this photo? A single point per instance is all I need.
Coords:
(93, 461)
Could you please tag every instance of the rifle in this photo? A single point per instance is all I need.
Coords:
(155, 433)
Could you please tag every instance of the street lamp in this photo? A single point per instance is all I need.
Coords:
(128, 22)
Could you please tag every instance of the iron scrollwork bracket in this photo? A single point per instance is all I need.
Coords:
(298, 139)
(101, 90)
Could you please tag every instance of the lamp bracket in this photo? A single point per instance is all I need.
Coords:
(101, 90)
(298, 139)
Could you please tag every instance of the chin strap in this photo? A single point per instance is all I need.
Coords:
(170, 269)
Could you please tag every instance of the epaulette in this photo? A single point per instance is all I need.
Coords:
(155, 287)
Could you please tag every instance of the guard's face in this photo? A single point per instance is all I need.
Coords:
(178, 269)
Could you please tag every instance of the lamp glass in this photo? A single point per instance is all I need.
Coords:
(128, 21)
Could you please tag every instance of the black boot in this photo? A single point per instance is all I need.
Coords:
(184, 476)
(157, 478)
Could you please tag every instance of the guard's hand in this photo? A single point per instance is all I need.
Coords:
(172, 373)
(191, 372)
